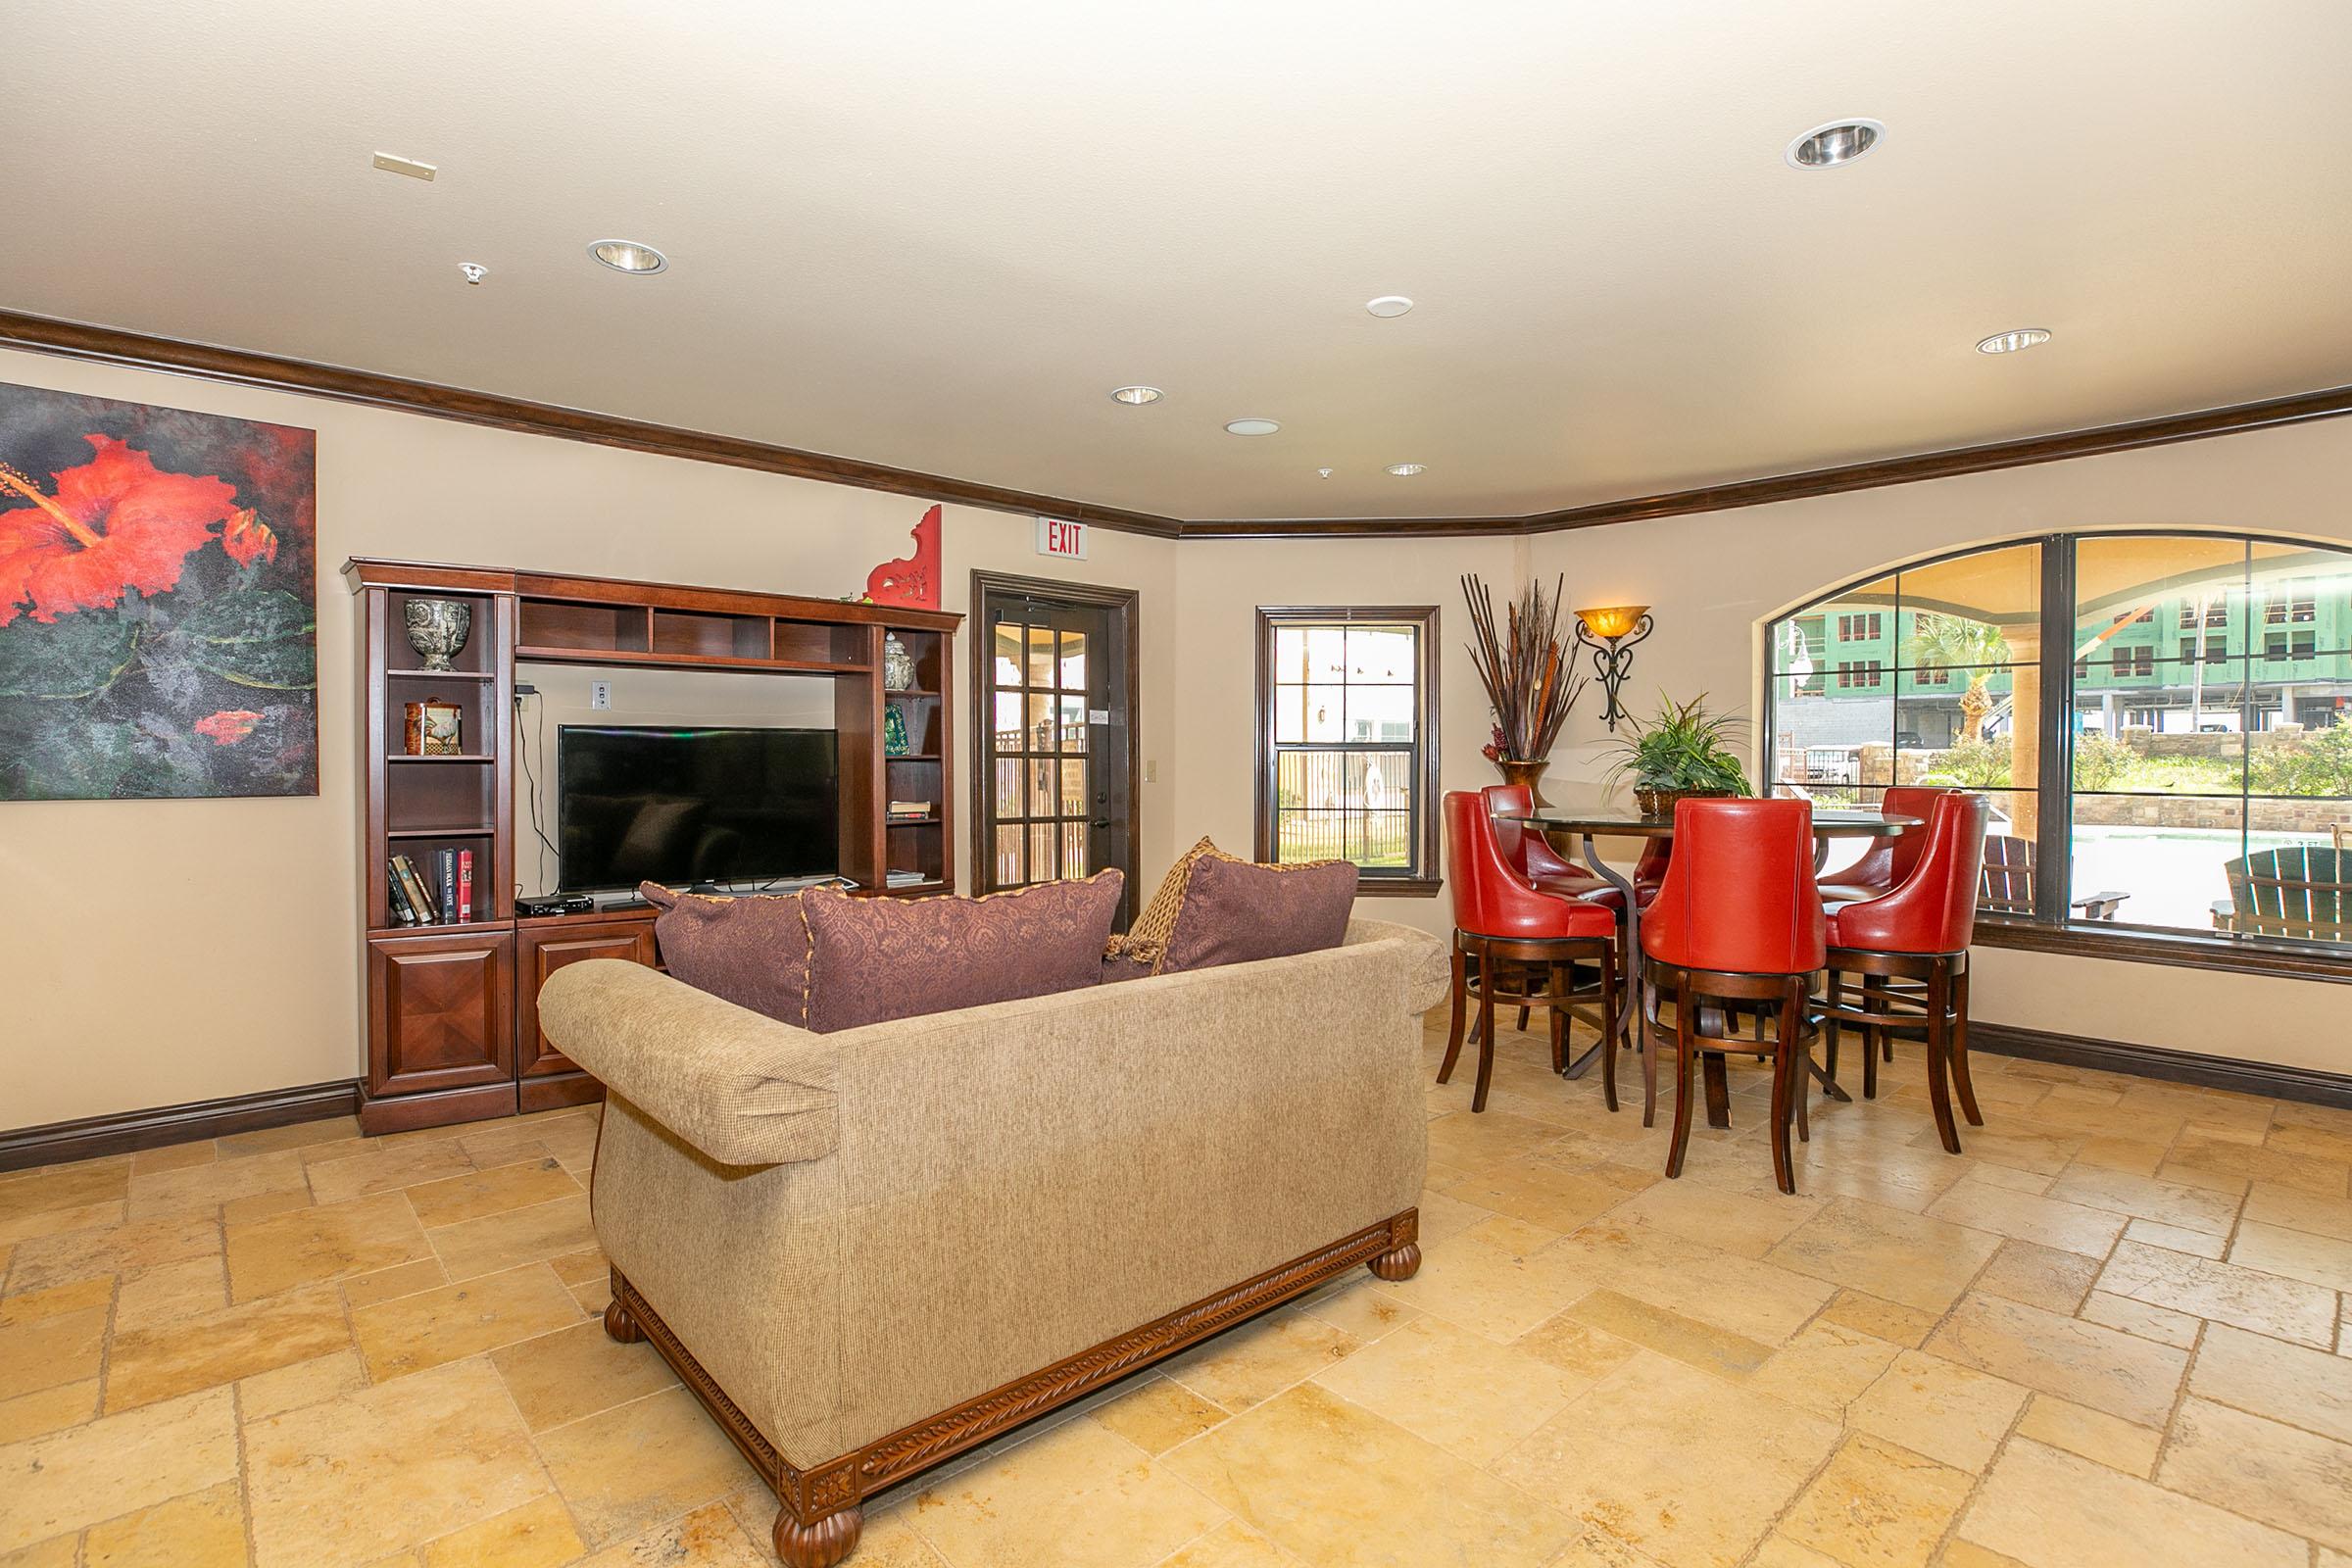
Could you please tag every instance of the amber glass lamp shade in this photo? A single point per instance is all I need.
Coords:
(1613, 622)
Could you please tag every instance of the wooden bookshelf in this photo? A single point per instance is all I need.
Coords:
(451, 1018)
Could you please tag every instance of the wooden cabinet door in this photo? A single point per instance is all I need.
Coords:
(545, 952)
(440, 1013)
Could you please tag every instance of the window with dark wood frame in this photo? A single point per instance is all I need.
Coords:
(2166, 814)
(1347, 740)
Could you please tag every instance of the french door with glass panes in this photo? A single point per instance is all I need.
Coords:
(1055, 782)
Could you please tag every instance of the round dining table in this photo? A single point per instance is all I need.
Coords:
(1558, 825)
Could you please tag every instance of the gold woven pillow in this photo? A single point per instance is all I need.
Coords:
(1146, 940)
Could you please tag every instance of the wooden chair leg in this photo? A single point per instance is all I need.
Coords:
(1453, 1032)
(1832, 995)
(1874, 1039)
(1486, 1027)
(1647, 1004)
(1609, 1020)
(1684, 1093)
(1959, 1052)
(1829, 1045)
(1558, 1009)
(1804, 1068)
(1940, 1088)
(1783, 1071)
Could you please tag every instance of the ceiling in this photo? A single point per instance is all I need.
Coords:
(936, 234)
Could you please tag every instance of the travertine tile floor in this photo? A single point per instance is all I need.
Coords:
(2115, 1333)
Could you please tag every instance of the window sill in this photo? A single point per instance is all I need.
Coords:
(1398, 887)
(2181, 950)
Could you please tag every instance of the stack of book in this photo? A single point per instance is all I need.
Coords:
(418, 900)
(909, 812)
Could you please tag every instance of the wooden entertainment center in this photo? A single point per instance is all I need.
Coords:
(452, 1031)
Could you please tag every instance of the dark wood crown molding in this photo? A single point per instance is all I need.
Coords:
(2300, 409)
(112, 346)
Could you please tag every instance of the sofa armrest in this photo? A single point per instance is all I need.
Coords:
(742, 1088)
(1427, 960)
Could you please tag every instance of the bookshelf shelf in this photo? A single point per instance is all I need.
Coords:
(452, 1019)
(452, 928)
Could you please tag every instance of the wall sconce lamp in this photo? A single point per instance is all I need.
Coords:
(1611, 633)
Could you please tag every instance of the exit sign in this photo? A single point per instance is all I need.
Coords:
(1064, 539)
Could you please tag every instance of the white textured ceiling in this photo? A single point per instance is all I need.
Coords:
(934, 235)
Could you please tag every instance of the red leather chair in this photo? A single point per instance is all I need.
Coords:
(1889, 862)
(1910, 947)
(1502, 925)
(1532, 857)
(1739, 918)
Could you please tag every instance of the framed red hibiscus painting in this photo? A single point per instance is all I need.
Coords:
(158, 602)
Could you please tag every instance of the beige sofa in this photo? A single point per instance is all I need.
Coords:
(869, 1250)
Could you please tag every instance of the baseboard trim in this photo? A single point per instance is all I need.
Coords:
(126, 1132)
(2272, 1079)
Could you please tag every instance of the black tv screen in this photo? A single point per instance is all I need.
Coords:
(683, 805)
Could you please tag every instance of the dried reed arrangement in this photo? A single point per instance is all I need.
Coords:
(1529, 673)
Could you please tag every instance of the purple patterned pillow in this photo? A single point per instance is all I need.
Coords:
(872, 960)
(1236, 912)
(753, 951)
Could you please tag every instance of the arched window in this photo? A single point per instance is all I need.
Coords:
(2163, 723)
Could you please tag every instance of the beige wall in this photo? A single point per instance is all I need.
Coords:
(1716, 578)
(1223, 583)
(171, 950)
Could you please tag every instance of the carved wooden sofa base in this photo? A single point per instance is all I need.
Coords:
(821, 1509)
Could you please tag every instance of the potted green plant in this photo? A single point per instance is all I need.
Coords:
(1683, 752)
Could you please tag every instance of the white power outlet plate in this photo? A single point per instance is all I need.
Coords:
(600, 694)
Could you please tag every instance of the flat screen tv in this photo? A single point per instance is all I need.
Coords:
(688, 807)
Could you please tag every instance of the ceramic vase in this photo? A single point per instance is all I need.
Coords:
(1529, 773)
(438, 629)
(898, 664)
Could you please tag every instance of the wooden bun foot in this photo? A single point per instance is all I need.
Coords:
(821, 1545)
(1401, 1264)
(619, 1325)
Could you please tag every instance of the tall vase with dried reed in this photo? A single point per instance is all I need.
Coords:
(1529, 673)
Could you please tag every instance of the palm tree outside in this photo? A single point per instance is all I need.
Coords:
(1953, 642)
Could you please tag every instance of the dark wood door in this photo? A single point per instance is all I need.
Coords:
(1056, 733)
(441, 1012)
(541, 953)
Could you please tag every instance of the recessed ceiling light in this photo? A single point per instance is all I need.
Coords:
(1389, 305)
(1251, 427)
(1137, 396)
(473, 271)
(1405, 471)
(1323, 474)
(1840, 141)
(2024, 337)
(628, 256)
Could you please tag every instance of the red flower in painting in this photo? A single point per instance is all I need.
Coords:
(248, 539)
(116, 522)
(227, 727)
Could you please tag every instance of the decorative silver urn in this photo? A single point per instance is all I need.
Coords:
(438, 629)
(898, 664)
